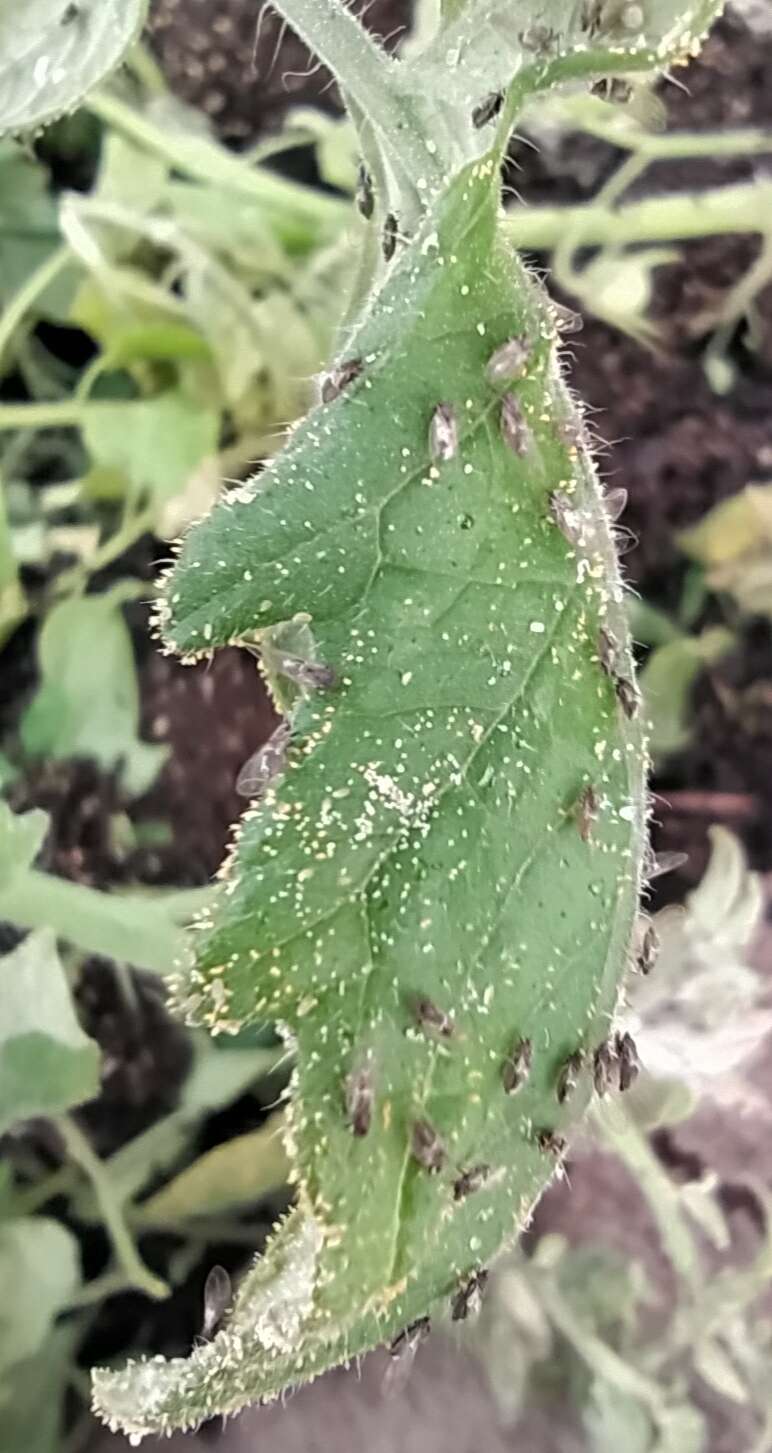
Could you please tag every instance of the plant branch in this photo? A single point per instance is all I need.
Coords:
(744, 207)
(136, 1274)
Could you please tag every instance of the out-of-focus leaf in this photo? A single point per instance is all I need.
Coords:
(28, 228)
(13, 606)
(715, 1367)
(31, 1397)
(613, 1420)
(216, 1079)
(47, 1063)
(667, 680)
(52, 52)
(39, 1271)
(21, 837)
(653, 1103)
(128, 175)
(156, 443)
(681, 1430)
(87, 704)
(700, 1200)
(702, 1011)
(733, 528)
(230, 1176)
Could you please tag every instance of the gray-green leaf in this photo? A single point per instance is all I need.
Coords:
(53, 51)
(39, 1271)
(47, 1063)
(87, 704)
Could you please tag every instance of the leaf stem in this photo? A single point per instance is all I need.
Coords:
(79, 1150)
(28, 294)
(745, 207)
(128, 927)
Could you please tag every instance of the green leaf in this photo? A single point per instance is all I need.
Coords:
(32, 1398)
(28, 225)
(47, 1063)
(39, 1272)
(53, 51)
(423, 842)
(229, 1177)
(87, 704)
(614, 1420)
(157, 444)
(21, 838)
(667, 680)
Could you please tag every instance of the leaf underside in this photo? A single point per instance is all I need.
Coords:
(423, 841)
(53, 51)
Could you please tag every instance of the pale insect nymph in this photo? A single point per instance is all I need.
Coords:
(266, 764)
(218, 1294)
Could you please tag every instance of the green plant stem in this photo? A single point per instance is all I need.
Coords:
(598, 1356)
(209, 163)
(369, 78)
(136, 1274)
(56, 414)
(622, 1136)
(139, 523)
(128, 927)
(746, 207)
(35, 285)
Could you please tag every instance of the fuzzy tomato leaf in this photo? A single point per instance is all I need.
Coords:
(425, 845)
(53, 51)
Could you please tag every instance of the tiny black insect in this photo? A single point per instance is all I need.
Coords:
(549, 1141)
(433, 1019)
(568, 1077)
(359, 1096)
(443, 433)
(647, 955)
(517, 1066)
(218, 1294)
(629, 1063)
(487, 110)
(514, 430)
(426, 1147)
(470, 1181)
(603, 1067)
(339, 378)
(314, 674)
(507, 362)
(365, 196)
(627, 696)
(389, 238)
(410, 1337)
(267, 763)
(468, 1298)
(587, 810)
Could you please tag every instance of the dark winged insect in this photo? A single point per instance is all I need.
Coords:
(365, 196)
(443, 433)
(548, 1141)
(567, 319)
(660, 863)
(311, 674)
(468, 1298)
(567, 519)
(569, 1075)
(629, 1063)
(470, 1181)
(389, 238)
(587, 809)
(431, 1018)
(218, 1294)
(487, 110)
(615, 504)
(603, 1062)
(359, 1097)
(426, 1147)
(517, 1066)
(538, 38)
(514, 430)
(627, 696)
(70, 13)
(265, 764)
(410, 1337)
(607, 652)
(647, 954)
(507, 362)
(339, 378)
